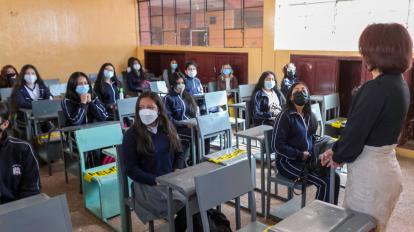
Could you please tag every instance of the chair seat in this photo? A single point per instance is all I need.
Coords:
(329, 122)
(239, 120)
(104, 173)
(254, 226)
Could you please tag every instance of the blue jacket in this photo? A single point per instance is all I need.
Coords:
(23, 99)
(261, 109)
(79, 114)
(136, 83)
(292, 135)
(145, 170)
(193, 85)
(287, 83)
(108, 95)
(19, 170)
(176, 108)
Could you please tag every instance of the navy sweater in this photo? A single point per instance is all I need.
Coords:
(78, 114)
(176, 108)
(292, 135)
(145, 170)
(23, 99)
(108, 94)
(375, 117)
(136, 83)
(261, 109)
(193, 85)
(19, 170)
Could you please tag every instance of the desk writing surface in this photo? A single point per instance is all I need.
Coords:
(89, 125)
(22, 203)
(238, 105)
(255, 132)
(188, 122)
(183, 179)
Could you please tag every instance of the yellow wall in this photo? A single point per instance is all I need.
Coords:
(63, 36)
(254, 55)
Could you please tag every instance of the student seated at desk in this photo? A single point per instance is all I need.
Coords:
(168, 73)
(81, 105)
(151, 148)
(192, 83)
(227, 81)
(289, 77)
(137, 80)
(267, 100)
(19, 170)
(8, 76)
(106, 88)
(293, 141)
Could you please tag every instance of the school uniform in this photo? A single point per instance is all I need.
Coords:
(193, 85)
(151, 199)
(77, 113)
(267, 106)
(290, 138)
(287, 82)
(137, 82)
(19, 170)
(108, 96)
(367, 144)
(25, 95)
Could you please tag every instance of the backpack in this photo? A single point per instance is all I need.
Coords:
(217, 220)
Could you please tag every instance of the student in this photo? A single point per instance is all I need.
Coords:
(19, 170)
(267, 100)
(136, 77)
(8, 76)
(192, 83)
(168, 73)
(293, 141)
(227, 81)
(81, 105)
(107, 88)
(289, 77)
(29, 87)
(151, 148)
(375, 119)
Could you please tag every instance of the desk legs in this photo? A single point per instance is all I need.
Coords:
(189, 216)
(170, 211)
(193, 146)
(262, 178)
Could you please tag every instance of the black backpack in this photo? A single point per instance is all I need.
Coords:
(216, 219)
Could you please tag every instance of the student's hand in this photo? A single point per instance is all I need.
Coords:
(84, 98)
(128, 69)
(305, 155)
(326, 157)
(89, 98)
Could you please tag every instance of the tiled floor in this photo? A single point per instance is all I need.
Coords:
(401, 221)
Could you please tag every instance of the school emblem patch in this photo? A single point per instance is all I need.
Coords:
(16, 170)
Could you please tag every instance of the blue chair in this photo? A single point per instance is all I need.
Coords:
(58, 89)
(50, 82)
(5, 93)
(225, 184)
(126, 108)
(100, 183)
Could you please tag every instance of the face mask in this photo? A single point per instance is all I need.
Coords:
(136, 67)
(82, 89)
(192, 73)
(174, 66)
(180, 88)
(269, 84)
(30, 78)
(148, 116)
(290, 73)
(300, 98)
(108, 74)
(11, 75)
(226, 71)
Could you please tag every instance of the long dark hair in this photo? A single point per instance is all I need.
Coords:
(99, 83)
(71, 86)
(134, 72)
(4, 81)
(144, 143)
(260, 83)
(307, 111)
(189, 100)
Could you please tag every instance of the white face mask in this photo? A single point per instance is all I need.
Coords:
(269, 84)
(108, 74)
(30, 78)
(192, 73)
(148, 116)
(136, 67)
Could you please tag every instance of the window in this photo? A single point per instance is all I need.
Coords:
(218, 23)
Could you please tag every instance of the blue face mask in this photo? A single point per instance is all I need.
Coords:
(269, 84)
(174, 66)
(226, 71)
(82, 89)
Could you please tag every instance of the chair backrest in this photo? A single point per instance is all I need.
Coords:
(46, 107)
(58, 89)
(330, 103)
(93, 138)
(92, 77)
(222, 185)
(36, 213)
(212, 86)
(126, 107)
(50, 82)
(159, 87)
(215, 99)
(317, 112)
(245, 92)
(61, 119)
(5, 93)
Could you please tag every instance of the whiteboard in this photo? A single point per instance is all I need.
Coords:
(334, 25)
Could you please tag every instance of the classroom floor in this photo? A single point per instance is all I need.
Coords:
(82, 220)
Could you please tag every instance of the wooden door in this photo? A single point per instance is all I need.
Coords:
(220, 60)
(239, 62)
(349, 81)
(205, 62)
